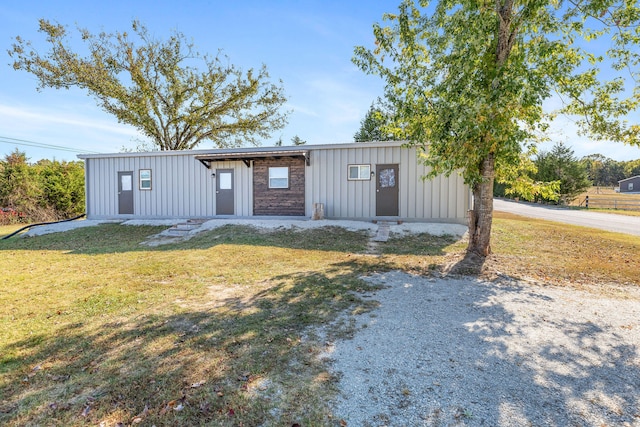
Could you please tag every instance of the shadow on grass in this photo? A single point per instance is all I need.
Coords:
(233, 358)
(115, 238)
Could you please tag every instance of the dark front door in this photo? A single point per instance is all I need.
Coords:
(224, 192)
(386, 190)
(125, 192)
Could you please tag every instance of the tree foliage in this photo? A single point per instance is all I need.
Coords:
(468, 80)
(560, 164)
(296, 140)
(377, 125)
(45, 191)
(603, 171)
(631, 168)
(62, 186)
(153, 86)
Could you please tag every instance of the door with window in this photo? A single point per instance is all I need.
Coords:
(224, 192)
(125, 193)
(387, 190)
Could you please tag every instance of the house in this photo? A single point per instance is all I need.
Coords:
(358, 181)
(630, 185)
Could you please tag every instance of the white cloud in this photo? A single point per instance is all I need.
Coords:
(83, 128)
(40, 118)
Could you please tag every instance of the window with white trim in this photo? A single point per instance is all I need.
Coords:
(279, 177)
(145, 179)
(359, 172)
(630, 186)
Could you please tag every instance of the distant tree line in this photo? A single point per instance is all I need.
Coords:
(296, 140)
(47, 190)
(570, 175)
(603, 171)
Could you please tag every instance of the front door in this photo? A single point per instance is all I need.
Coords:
(387, 190)
(125, 193)
(224, 192)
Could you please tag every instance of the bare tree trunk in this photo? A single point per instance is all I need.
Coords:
(481, 217)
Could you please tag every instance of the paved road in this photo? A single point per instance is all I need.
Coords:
(605, 221)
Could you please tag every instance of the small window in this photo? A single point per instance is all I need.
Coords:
(145, 179)
(630, 186)
(387, 178)
(279, 177)
(359, 172)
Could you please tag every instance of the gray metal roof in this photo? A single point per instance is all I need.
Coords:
(247, 150)
(627, 179)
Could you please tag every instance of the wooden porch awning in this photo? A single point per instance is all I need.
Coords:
(246, 157)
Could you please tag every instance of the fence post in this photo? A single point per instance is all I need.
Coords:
(586, 201)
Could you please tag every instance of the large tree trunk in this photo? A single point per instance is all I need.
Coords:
(481, 217)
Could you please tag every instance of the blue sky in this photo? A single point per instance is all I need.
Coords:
(306, 44)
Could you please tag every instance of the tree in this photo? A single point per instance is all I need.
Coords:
(62, 186)
(376, 125)
(296, 140)
(468, 80)
(632, 168)
(153, 86)
(45, 191)
(594, 164)
(604, 171)
(19, 188)
(560, 164)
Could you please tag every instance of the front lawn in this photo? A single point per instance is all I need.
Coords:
(226, 328)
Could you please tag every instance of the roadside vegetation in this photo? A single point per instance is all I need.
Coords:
(226, 328)
(38, 192)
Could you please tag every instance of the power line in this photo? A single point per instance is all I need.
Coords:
(28, 143)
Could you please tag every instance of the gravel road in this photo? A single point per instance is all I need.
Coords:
(605, 221)
(443, 352)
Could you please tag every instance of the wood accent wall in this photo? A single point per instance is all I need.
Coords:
(278, 201)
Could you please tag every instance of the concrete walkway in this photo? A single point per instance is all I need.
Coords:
(604, 221)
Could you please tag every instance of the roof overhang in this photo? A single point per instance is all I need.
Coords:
(247, 157)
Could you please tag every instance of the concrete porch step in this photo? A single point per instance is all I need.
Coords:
(183, 228)
(382, 235)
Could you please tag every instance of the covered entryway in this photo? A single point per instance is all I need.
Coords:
(224, 192)
(387, 190)
(125, 193)
(276, 184)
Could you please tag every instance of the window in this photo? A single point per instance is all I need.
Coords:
(279, 177)
(387, 178)
(630, 186)
(145, 179)
(359, 172)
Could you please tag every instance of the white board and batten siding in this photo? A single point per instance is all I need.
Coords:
(182, 187)
(442, 199)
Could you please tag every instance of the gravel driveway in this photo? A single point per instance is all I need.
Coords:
(605, 221)
(463, 352)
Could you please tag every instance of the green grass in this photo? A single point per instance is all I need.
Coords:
(223, 329)
(95, 327)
